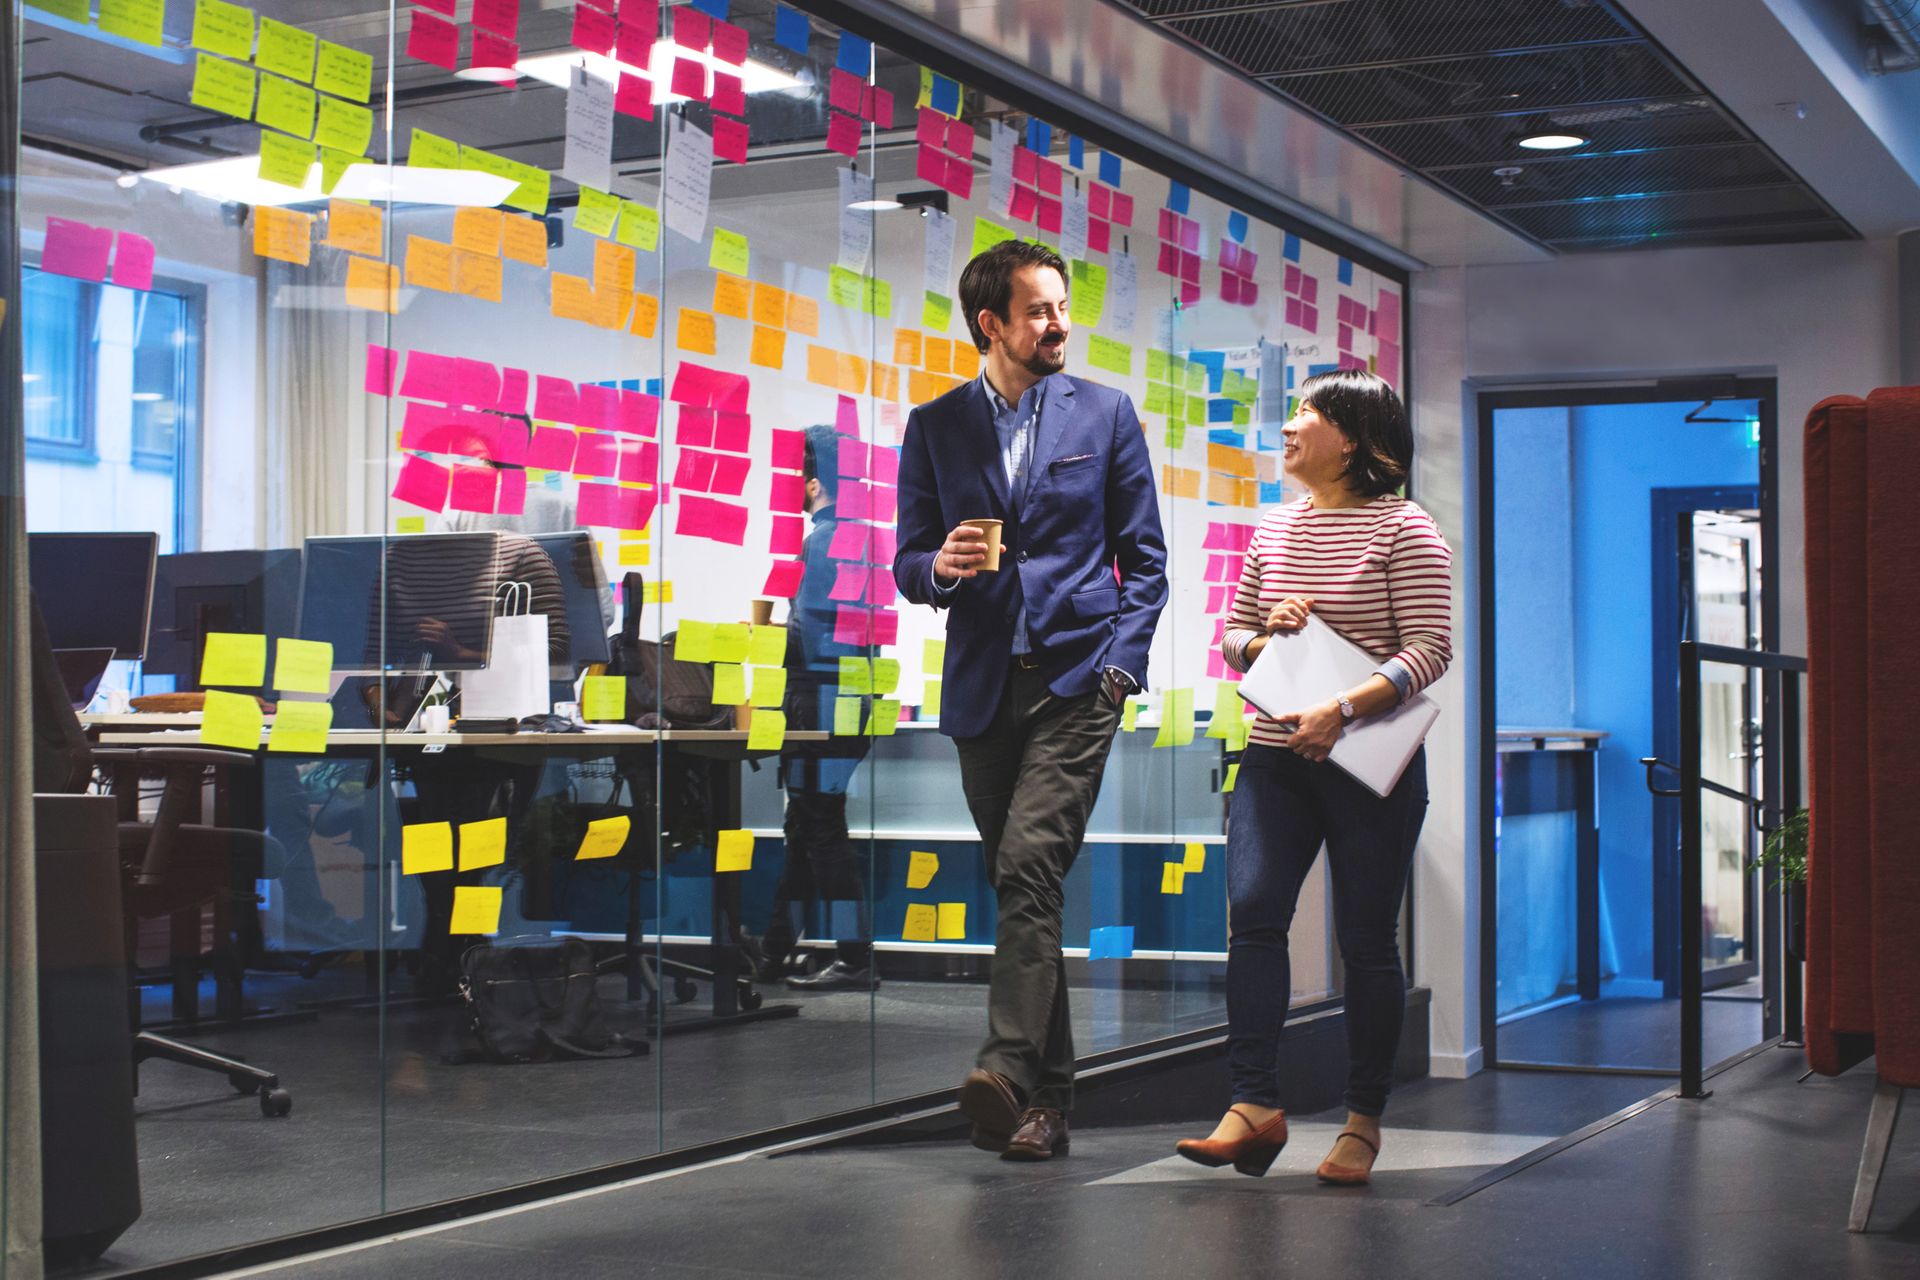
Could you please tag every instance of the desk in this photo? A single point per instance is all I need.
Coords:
(723, 750)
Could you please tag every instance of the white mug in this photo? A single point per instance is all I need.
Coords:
(435, 719)
(119, 702)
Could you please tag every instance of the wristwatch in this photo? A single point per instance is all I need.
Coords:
(1346, 706)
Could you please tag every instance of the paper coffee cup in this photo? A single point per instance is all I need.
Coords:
(991, 529)
(763, 613)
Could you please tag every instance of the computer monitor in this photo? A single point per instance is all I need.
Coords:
(439, 603)
(583, 580)
(95, 589)
(205, 591)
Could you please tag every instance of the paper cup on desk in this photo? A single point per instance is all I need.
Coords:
(991, 528)
(763, 613)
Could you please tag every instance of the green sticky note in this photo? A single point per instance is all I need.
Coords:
(1088, 299)
(343, 71)
(230, 720)
(768, 646)
(884, 718)
(1156, 365)
(936, 312)
(730, 642)
(332, 165)
(300, 726)
(535, 189)
(879, 299)
(856, 676)
(235, 658)
(886, 675)
(730, 252)
(1196, 411)
(769, 687)
(596, 212)
(1176, 434)
(987, 234)
(71, 10)
(286, 106)
(1130, 714)
(1226, 709)
(222, 28)
(1109, 354)
(846, 288)
(1242, 416)
(933, 654)
(219, 85)
(344, 127)
(302, 666)
(1156, 397)
(930, 699)
(767, 731)
(431, 151)
(1233, 776)
(846, 717)
(639, 226)
(284, 160)
(1176, 719)
(136, 20)
(694, 642)
(1197, 379)
(729, 684)
(604, 698)
(286, 50)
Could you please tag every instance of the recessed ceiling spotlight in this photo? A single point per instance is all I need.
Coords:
(1553, 141)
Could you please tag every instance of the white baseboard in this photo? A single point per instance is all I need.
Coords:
(1456, 1066)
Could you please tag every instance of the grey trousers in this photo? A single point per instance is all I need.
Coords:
(1031, 781)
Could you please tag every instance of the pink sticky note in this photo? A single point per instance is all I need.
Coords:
(788, 534)
(1309, 318)
(886, 627)
(1099, 199)
(689, 76)
(960, 177)
(422, 483)
(1046, 215)
(438, 6)
(599, 406)
(849, 541)
(597, 455)
(884, 465)
(1123, 209)
(640, 462)
(1190, 235)
(513, 391)
(789, 449)
(429, 428)
(551, 449)
(1099, 235)
(1229, 287)
(1190, 267)
(732, 431)
(1168, 263)
(881, 111)
(692, 29)
(380, 366)
(930, 165)
(1249, 262)
(501, 17)
(849, 582)
(476, 382)
(1021, 207)
(1025, 163)
(843, 134)
(851, 625)
(634, 97)
(513, 492)
(881, 545)
(432, 40)
(554, 399)
(491, 51)
(639, 413)
(592, 29)
(783, 580)
(886, 500)
(853, 459)
(639, 22)
(633, 45)
(846, 416)
(1048, 173)
(694, 427)
(693, 384)
(709, 518)
(431, 377)
(599, 504)
(729, 43)
(1189, 292)
(881, 590)
(930, 128)
(1293, 312)
(133, 261)
(730, 391)
(1290, 279)
(1169, 225)
(855, 500)
(730, 475)
(729, 93)
(844, 90)
(786, 493)
(694, 470)
(961, 138)
(729, 140)
(76, 249)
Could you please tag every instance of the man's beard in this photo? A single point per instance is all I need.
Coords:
(1045, 360)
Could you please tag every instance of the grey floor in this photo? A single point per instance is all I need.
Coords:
(1753, 1182)
(1627, 1032)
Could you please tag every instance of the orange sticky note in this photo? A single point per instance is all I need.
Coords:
(1179, 482)
(921, 386)
(821, 366)
(803, 315)
(524, 239)
(906, 346)
(695, 332)
(732, 296)
(478, 230)
(572, 297)
(938, 355)
(966, 360)
(282, 234)
(853, 373)
(769, 305)
(1229, 460)
(610, 307)
(357, 228)
(646, 315)
(886, 382)
(769, 347)
(429, 264)
(477, 275)
(373, 284)
(613, 265)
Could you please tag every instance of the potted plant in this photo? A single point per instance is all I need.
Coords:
(1785, 853)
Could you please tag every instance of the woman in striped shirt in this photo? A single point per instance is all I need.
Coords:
(1374, 567)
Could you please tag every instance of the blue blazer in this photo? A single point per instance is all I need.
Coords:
(1090, 507)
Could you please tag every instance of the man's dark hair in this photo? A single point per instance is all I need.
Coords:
(822, 460)
(987, 282)
(1370, 414)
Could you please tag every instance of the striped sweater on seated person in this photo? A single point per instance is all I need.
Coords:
(1379, 574)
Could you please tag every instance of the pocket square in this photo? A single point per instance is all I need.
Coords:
(1078, 457)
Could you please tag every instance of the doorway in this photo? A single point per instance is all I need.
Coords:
(1614, 523)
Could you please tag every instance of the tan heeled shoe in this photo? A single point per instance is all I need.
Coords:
(1252, 1153)
(1340, 1175)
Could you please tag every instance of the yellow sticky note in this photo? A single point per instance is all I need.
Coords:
(953, 920)
(769, 687)
(695, 332)
(300, 726)
(410, 524)
(921, 868)
(596, 213)
(226, 29)
(1233, 776)
(657, 593)
(604, 698)
(524, 239)
(285, 50)
(429, 264)
(1130, 716)
(478, 230)
(604, 838)
(301, 666)
(729, 684)
(694, 641)
(636, 553)
(846, 717)
(286, 106)
(1226, 709)
(885, 717)
(232, 657)
(1196, 859)
(646, 315)
(343, 127)
(357, 228)
(930, 699)
(768, 646)
(734, 851)
(730, 252)
(933, 655)
(231, 720)
(886, 675)
(731, 641)
(476, 909)
(137, 20)
(856, 676)
(639, 226)
(732, 296)
(1173, 878)
(769, 350)
(483, 844)
(219, 85)
(371, 284)
(923, 923)
(767, 731)
(426, 846)
(284, 160)
(1176, 719)
(347, 72)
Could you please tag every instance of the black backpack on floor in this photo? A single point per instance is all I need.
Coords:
(534, 999)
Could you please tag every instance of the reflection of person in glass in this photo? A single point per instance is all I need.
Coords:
(1374, 567)
(821, 863)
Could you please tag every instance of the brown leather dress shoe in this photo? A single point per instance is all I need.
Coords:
(1042, 1135)
(993, 1103)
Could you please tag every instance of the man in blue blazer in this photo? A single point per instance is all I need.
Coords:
(1041, 653)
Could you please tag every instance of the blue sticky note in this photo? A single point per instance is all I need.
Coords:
(856, 54)
(1113, 942)
(715, 9)
(653, 387)
(1346, 271)
(1225, 435)
(791, 29)
(1290, 247)
(1237, 227)
(1289, 377)
(1216, 365)
(1315, 370)
(1076, 151)
(1039, 136)
(1178, 197)
(945, 97)
(1219, 411)
(1269, 492)
(1110, 168)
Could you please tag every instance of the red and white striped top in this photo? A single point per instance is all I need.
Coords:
(1379, 574)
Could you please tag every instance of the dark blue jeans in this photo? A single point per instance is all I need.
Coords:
(1283, 808)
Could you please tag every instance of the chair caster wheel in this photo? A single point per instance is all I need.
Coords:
(244, 1084)
(750, 999)
(275, 1103)
(684, 990)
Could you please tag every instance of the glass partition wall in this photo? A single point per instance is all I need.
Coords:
(549, 365)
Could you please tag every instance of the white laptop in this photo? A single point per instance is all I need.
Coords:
(1303, 668)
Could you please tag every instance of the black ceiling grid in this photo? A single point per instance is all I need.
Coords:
(1448, 89)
